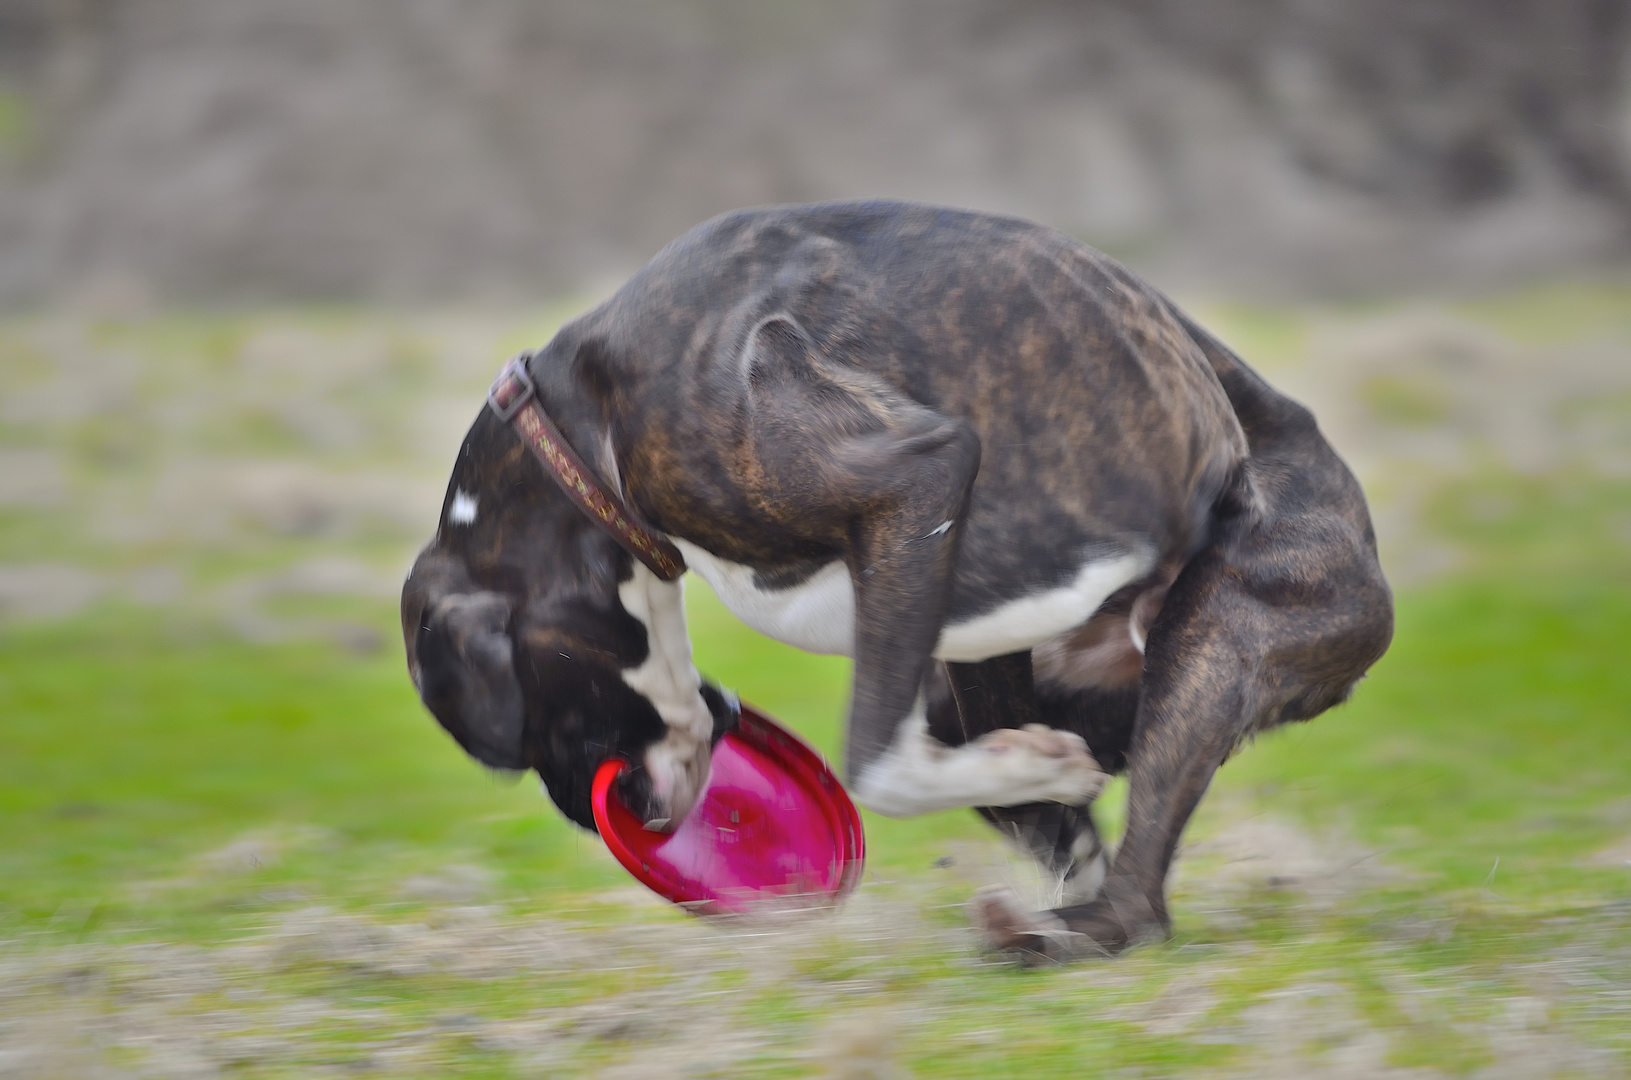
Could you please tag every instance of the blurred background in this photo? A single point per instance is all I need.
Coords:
(259, 260)
(251, 150)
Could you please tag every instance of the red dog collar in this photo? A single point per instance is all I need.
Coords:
(515, 401)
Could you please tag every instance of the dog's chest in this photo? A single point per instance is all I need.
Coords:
(815, 611)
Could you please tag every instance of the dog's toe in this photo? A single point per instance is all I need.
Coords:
(1047, 765)
(1051, 742)
(1084, 780)
(1006, 926)
(997, 914)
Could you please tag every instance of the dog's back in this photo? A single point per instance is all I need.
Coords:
(1103, 430)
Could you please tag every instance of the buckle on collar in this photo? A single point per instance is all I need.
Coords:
(512, 389)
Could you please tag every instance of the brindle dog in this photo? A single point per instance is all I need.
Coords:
(1060, 528)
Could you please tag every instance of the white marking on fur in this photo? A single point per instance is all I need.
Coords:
(1030, 620)
(940, 529)
(919, 774)
(678, 763)
(614, 475)
(1136, 632)
(463, 510)
(1089, 868)
(817, 615)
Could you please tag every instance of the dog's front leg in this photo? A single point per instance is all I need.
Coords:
(829, 444)
(901, 556)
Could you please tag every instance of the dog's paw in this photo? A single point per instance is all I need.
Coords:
(1007, 927)
(1047, 765)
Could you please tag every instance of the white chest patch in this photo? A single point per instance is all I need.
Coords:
(818, 615)
(678, 762)
(667, 678)
(463, 510)
(1028, 621)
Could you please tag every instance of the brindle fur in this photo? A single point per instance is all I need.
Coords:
(788, 386)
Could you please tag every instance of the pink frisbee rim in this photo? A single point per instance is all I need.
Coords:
(797, 763)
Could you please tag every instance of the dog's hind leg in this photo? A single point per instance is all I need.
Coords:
(1225, 661)
(1274, 620)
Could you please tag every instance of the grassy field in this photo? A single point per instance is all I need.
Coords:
(232, 844)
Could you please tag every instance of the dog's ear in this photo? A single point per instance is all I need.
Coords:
(463, 663)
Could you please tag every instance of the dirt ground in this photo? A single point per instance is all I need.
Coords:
(266, 1004)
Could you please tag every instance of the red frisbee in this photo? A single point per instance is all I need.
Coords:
(773, 822)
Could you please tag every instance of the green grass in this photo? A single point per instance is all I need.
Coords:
(1495, 729)
(172, 797)
(128, 750)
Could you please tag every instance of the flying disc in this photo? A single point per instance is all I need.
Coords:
(773, 823)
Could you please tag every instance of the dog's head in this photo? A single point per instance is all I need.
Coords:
(521, 645)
